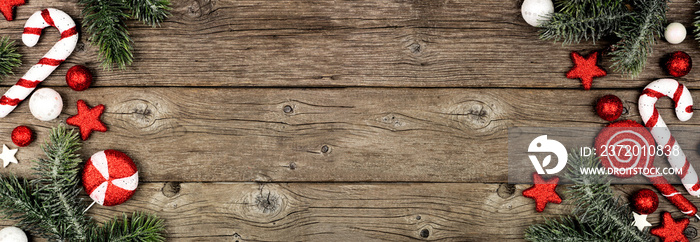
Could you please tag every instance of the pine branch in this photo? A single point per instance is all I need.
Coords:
(140, 227)
(150, 12)
(598, 216)
(18, 202)
(9, 58)
(638, 35)
(584, 19)
(696, 24)
(104, 21)
(59, 185)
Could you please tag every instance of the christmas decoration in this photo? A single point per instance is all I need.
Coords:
(636, 24)
(678, 64)
(12, 234)
(45, 104)
(105, 24)
(598, 214)
(632, 134)
(8, 156)
(675, 33)
(671, 230)
(7, 7)
(50, 206)
(645, 201)
(58, 53)
(78, 78)
(640, 221)
(609, 107)
(684, 110)
(536, 12)
(110, 177)
(625, 132)
(543, 191)
(22, 136)
(88, 119)
(585, 69)
(9, 58)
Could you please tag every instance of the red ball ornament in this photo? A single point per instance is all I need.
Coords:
(22, 136)
(110, 177)
(78, 78)
(609, 107)
(678, 64)
(645, 201)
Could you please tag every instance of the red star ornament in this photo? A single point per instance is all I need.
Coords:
(6, 7)
(671, 230)
(543, 191)
(88, 119)
(585, 69)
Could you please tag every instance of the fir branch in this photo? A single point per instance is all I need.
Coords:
(104, 21)
(140, 227)
(696, 24)
(18, 202)
(598, 216)
(150, 12)
(637, 35)
(584, 19)
(9, 58)
(59, 185)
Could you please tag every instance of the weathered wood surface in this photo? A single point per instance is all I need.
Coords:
(347, 212)
(322, 135)
(435, 43)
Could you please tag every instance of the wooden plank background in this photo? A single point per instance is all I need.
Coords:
(255, 120)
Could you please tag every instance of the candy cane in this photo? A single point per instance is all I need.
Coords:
(629, 133)
(684, 110)
(58, 53)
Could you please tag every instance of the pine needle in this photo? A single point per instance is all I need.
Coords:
(150, 12)
(140, 227)
(9, 58)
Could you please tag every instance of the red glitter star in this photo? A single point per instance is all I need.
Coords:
(88, 119)
(671, 230)
(585, 69)
(6, 7)
(543, 192)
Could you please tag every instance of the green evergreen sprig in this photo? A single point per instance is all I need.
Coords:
(696, 23)
(637, 27)
(50, 206)
(105, 23)
(598, 216)
(9, 58)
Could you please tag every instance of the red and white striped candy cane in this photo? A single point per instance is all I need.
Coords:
(56, 55)
(684, 110)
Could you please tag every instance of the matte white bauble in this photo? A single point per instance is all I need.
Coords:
(45, 104)
(675, 33)
(536, 12)
(12, 234)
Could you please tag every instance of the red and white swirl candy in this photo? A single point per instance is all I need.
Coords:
(684, 110)
(46, 65)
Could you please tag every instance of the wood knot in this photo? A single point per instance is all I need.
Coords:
(325, 149)
(393, 120)
(237, 237)
(505, 190)
(472, 114)
(287, 109)
(690, 232)
(170, 189)
(415, 48)
(80, 46)
(268, 202)
(424, 233)
(199, 8)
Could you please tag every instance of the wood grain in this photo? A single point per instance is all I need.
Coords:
(349, 134)
(347, 212)
(435, 43)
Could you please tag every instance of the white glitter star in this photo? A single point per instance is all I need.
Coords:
(640, 221)
(8, 156)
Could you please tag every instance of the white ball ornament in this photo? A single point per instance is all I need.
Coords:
(45, 104)
(536, 12)
(12, 234)
(675, 33)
